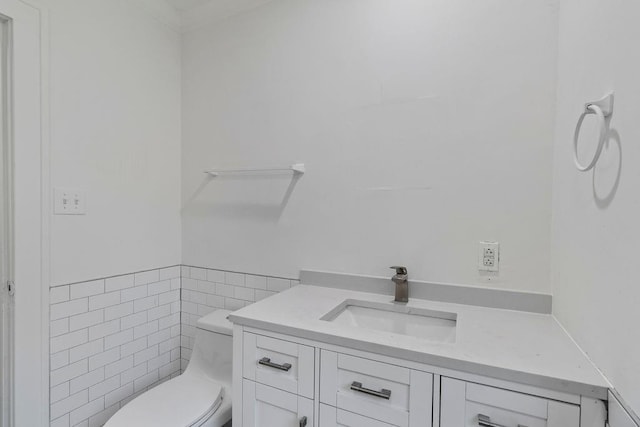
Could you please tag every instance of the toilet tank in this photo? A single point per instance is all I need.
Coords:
(213, 348)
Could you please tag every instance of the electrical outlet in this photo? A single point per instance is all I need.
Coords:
(489, 256)
(69, 202)
(489, 261)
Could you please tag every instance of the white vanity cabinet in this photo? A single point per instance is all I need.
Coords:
(284, 381)
(466, 404)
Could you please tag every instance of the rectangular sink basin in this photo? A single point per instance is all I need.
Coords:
(400, 319)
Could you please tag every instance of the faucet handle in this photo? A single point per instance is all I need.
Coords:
(399, 269)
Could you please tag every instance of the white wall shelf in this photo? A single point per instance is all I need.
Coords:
(297, 169)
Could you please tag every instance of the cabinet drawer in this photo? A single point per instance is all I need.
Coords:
(467, 404)
(334, 417)
(391, 394)
(280, 364)
(264, 406)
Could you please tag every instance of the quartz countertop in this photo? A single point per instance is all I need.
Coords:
(522, 347)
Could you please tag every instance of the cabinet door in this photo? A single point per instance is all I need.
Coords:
(473, 405)
(334, 417)
(264, 406)
(392, 394)
(281, 364)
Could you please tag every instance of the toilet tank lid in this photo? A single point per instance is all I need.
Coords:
(216, 322)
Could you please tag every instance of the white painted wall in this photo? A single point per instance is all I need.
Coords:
(450, 104)
(596, 233)
(115, 132)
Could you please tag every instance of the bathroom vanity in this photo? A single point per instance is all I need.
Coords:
(323, 357)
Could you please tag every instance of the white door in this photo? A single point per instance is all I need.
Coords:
(22, 133)
(264, 406)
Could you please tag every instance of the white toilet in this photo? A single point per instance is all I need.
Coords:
(201, 396)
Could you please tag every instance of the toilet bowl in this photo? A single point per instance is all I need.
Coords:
(201, 396)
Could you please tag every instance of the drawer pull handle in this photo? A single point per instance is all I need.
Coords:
(303, 422)
(265, 361)
(384, 393)
(485, 421)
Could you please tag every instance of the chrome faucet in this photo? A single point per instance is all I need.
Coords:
(401, 279)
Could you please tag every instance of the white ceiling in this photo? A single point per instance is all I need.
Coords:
(186, 4)
(195, 13)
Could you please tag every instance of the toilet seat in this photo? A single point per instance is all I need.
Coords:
(185, 401)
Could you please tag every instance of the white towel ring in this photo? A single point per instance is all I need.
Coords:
(602, 109)
(591, 109)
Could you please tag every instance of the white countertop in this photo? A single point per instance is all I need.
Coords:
(516, 346)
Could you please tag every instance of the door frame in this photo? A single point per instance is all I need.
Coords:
(6, 228)
(31, 149)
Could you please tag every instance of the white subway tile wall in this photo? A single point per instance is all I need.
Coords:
(205, 290)
(111, 339)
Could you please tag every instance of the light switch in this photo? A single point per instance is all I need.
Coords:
(69, 202)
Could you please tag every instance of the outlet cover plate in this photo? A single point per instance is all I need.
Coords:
(489, 256)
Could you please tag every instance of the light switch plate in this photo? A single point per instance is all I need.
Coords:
(69, 202)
